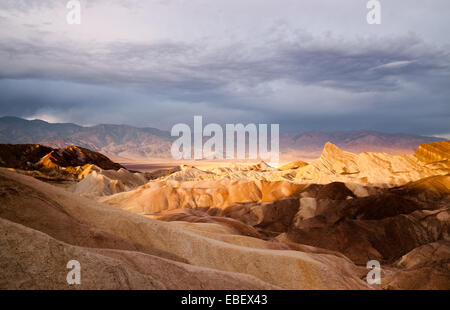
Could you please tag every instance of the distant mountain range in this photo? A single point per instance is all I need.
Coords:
(122, 142)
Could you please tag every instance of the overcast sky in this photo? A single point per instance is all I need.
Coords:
(305, 64)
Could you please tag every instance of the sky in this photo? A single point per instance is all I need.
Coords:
(304, 64)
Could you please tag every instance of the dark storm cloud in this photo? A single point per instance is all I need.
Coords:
(358, 66)
(303, 81)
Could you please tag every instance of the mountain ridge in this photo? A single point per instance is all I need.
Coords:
(134, 143)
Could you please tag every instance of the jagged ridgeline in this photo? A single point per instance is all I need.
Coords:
(242, 226)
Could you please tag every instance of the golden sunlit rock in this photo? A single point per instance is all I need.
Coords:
(253, 226)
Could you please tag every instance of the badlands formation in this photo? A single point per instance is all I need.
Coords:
(301, 226)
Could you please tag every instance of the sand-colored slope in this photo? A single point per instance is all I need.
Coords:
(431, 187)
(168, 195)
(424, 268)
(437, 151)
(221, 187)
(225, 187)
(366, 168)
(108, 182)
(33, 260)
(293, 165)
(287, 269)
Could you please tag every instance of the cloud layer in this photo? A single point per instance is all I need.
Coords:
(324, 76)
